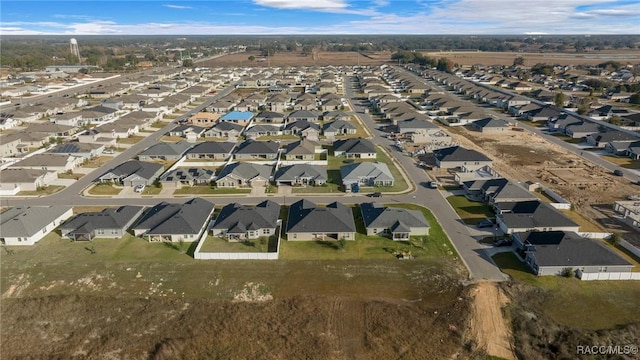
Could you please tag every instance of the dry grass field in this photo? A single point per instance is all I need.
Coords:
(506, 58)
(298, 59)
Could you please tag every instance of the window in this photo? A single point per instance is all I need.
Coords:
(266, 231)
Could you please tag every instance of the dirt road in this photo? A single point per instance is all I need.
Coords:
(487, 324)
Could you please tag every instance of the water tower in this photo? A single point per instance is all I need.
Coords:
(74, 48)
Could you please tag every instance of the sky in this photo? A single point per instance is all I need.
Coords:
(264, 17)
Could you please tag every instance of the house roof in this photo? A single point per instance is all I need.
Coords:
(166, 149)
(490, 123)
(457, 153)
(560, 248)
(20, 175)
(398, 219)
(301, 125)
(338, 125)
(27, 221)
(75, 147)
(412, 125)
(258, 147)
(296, 171)
(512, 190)
(211, 147)
(105, 219)
(237, 115)
(188, 174)
(531, 215)
(227, 126)
(176, 219)
(307, 217)
(303, 146)
(370, 170)
(354, 146)
(44, 160)
(236, 218)
(145, 170)
(246, 170)
(262, 128)
(269, 115)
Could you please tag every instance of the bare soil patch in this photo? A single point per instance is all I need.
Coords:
(298, 59)
(506, 58)
(487, 324)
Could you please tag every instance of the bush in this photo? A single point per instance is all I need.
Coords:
(568, 272)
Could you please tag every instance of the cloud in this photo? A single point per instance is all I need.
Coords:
(303, 4)
(179, 7)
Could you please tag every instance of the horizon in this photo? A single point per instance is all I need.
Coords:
(319, 17)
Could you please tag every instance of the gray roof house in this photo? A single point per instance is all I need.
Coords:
(354, 148)
(396, 223)
(241, 222)
(133, 173)
(85, 150)
(533, 215)
(175, 222)
(366, 174)
(108, 223)
(339, 127)
(301, 150)
(554, 252)
(60, 163)
(244, 174)
(270, 117)
(187, 177)
(165, 151)
(310, 222)
(417, 126)
(301, 174)
(302, 128)
(224, 130)
(13, 181)
(257, 150)
(303, 115)
(489, 125)
(458, 157)
(259, 130)
(27, 225)
(210, 150)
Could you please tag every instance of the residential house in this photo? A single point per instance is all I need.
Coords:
(533, 215)
(555, 252)
(27, 225)
(133, 173)
(210, 150)
(365, 174)
(301, 150)
(59, 163)
(354, 149)
(179, 177)
(303, 115)
(175, 222)
(397, 223)
(339, 127)
(243, 222)
(73, 119)
(243, 174)
(301, 174)
(10, 146)
(52, 129)
(204, 119)
(606, 136)
(257, 150)
(108, 223)
(261, 130)
(13, 180)
(457, 157)
(490, 125)
(84, 150)
(581, 130)
(417, 126)
(237, 117)
(98, 114)
(183, 130)
(165, 151)
(303, 128)
(224, 130)
(310, 222)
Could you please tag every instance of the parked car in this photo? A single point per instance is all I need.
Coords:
(139, 188)
(108, 151)
(484, 223)
(433, 184)
(375, 194)
(502, 242)
(618, 172)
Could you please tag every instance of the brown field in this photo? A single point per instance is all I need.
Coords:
(297, 59)
(506, 58)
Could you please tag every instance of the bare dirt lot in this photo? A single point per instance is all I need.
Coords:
(298, 59)
(506, 58)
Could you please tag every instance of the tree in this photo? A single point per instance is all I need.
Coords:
(583, 109)
(252, 58)
(635, 98)
(519, 60)
(188, 63)
(445, 65)
(559, 99)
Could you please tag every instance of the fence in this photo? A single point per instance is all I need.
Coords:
(594, 235)
(198, 255)
(560, 202)
(609, 276)
(632, 249)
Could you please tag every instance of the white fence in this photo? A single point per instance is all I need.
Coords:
(609, 276)
(309, 162)
(594, 235)
(632, 249)
(560, 202)
(235, 256)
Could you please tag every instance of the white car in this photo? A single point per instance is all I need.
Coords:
(139, 188)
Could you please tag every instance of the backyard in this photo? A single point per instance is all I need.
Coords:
(218, 244)
(471, 212)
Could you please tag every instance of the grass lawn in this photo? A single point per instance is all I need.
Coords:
(216, 244)
(569, 298)
(204, 190)
(172, 139)
(327, 188)
(48, 190)
(543, 196)
(70, 176)
(158, 124)
(278, 137)
(586, 225)
(434, 245)
(130, 140)
(471, 212)
(569, 139)
(151, 190)
(104, 189)
(624, 162)
(97, 162)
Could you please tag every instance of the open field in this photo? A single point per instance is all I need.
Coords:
(506, 58)
(63, 299)
(297, 59)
